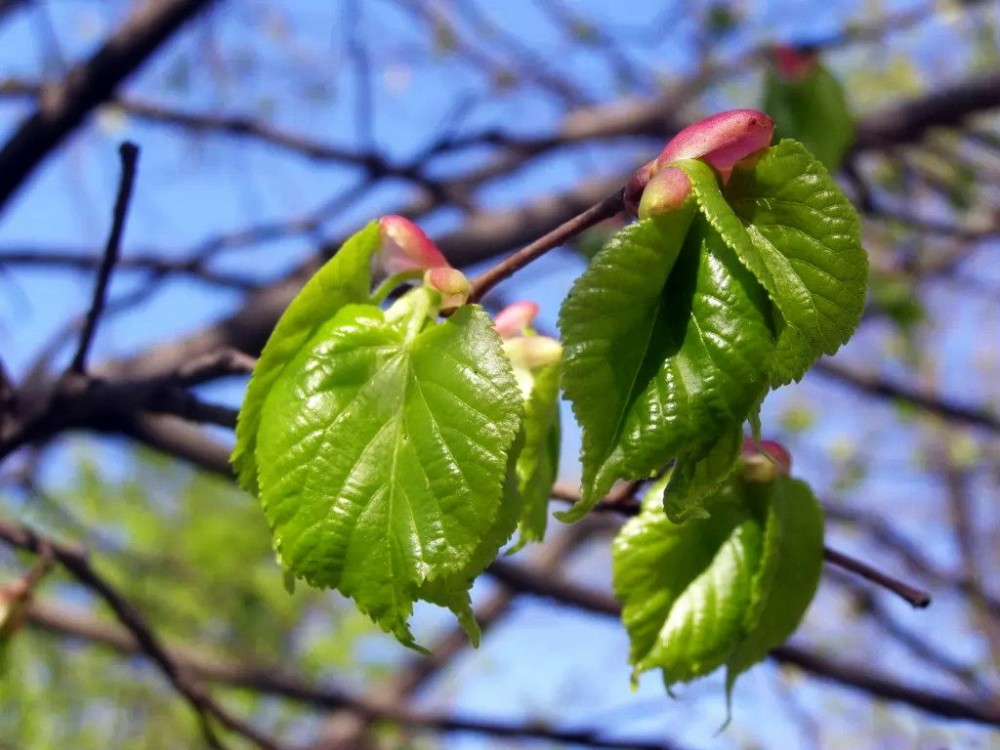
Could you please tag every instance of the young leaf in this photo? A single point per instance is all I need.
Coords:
(382, 457)
(699, 472)
(667, 346)
(795, 230)
(345, 279)
(451, 590)
(720, 590)
(685, 588)
(538, 462)
(788, 576)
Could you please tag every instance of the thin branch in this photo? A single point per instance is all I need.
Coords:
(604, 209)
(129, 154)
(75, 562)
(626, 504)
(877, 386)
(63, 105)
(150, 263)
(917, 598)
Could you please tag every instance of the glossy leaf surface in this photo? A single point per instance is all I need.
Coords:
(790, 224)
(344, 279)
(668, 343)
(383, 458)
(723, 590)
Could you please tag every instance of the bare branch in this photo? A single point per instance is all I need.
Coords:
(914, 596)
(64, 105)
(129, 154)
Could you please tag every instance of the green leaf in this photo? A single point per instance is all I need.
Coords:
(382, 457)
(812, 110)
(795, 230)
(723, 590)
(538, 463)
(668, 342)
(685, 588)
(788, 577)
(698, 473)
(344, 279)
(452, 589)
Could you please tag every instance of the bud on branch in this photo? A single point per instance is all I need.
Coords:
(722, 141)
(405, 247)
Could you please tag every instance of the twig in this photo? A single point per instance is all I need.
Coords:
(625, 504)
(600, 211)
(914, 596)
(129, 154)
(75, 562)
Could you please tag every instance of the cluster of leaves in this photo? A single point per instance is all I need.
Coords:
(719, 591)
(395, 451)
(684, 321)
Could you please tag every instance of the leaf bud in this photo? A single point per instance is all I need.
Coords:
(666, 191)
(794, 62)
(533, 351)
(451, 283)
(515, 319)
(764, 461)
(722, 141)
(405, 247)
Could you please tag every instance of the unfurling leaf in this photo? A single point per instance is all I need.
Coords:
(345, 279)
(790, 224)
(668, 346)
(722, 590)
(384, 445)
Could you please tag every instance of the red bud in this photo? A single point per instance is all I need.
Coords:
(794, 63)
(451, 283)
(722, 141)
(764, 463)
(405, 247)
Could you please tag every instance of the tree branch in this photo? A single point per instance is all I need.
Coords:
(64, 105)
(129, 154)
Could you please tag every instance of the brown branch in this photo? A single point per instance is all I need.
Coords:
(604, 209)
(129, 155)
(75, 562)
(152, 263)
(913, 596)
(63, 105)
(877, 386)
(860, 678)
(626, 504)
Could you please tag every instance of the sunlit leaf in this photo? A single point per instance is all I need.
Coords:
(383, 458)
(344, 279)
(668, 343)
(795, 230)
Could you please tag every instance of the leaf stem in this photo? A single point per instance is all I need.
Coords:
(600, 211)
